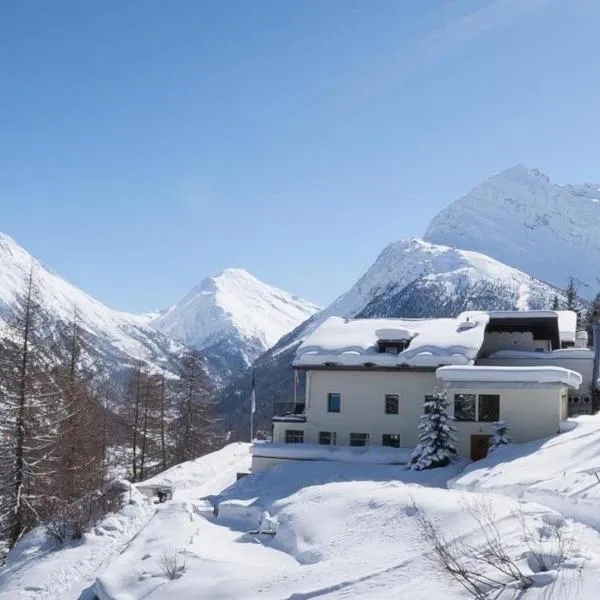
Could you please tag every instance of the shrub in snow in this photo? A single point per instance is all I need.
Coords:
(172, 566)
(437, 435)
(500, 436)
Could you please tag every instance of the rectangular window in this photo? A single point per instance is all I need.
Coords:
(390, 439)
(391, 404)
(327, 438)
(489, 407)
(294, 436)
(464, 407)
(334, 402)
(359, 439)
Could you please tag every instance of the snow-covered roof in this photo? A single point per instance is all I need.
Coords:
(510, 374)
(433, 342)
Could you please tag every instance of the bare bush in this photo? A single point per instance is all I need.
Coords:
(171, 564)
(487, 569)
(69, 521)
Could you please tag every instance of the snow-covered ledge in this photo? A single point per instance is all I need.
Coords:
(268, 454)
(509, 375)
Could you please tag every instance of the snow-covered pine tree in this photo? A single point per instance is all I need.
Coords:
(500, 436)
(437, 435)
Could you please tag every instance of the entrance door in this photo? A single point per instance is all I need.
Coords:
(479, 446)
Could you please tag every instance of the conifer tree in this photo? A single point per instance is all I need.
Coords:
(437, 435)
(499, 436)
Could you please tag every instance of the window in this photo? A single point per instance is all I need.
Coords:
(390, 439)
(294, 436)
(464, 407)
(489, 407)
(327, 438)
(391, 404)
(359, 439)
(334, 402)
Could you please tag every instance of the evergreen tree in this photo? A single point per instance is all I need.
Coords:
(555, 303)
(572, 302)
(437, 435)
(500, 436)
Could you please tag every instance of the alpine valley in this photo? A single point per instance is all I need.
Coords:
(542, 234)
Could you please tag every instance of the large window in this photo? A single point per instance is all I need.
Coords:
(391, 404)
(464, 407)
(294, 436)
(390, 439)
(489, 407)
(334, 402)
(327, 438)
(470, 407)
(359, 439)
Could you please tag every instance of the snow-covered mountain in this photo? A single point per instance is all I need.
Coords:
(410, 278)
(525, 220)
(233, 318)
(114, 338)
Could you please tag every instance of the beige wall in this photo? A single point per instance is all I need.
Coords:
(531, 412)
(363, 405)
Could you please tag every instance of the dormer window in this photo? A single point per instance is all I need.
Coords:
(392, 346)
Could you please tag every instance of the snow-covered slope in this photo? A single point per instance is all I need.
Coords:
(410, 278)
(114, 337)
(342, 530)
(233, 318)
(525, 220)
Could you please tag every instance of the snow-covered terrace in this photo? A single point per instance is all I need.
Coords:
(510, 375)
(431, 342)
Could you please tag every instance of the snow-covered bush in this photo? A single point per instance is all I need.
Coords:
(499, 436)
(437, 435)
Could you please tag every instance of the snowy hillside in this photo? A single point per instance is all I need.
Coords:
(342, 530)
(525, 220)
(410, 278)
(114, 337)
(233, 318)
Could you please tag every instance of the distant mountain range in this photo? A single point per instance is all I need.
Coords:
(510, 243)
(114, 338)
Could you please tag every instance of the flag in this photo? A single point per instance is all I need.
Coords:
(253, 396)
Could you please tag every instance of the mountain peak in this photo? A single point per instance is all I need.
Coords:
(234, 308)
(523, 219)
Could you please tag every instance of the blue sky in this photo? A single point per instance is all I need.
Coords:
(146, 144)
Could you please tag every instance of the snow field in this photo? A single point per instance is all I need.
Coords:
(560, 472)
(343, 530)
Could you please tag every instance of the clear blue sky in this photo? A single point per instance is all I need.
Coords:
(145, 144)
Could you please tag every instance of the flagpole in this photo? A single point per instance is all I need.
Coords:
(252, 407)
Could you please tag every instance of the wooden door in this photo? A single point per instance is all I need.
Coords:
(479, 446)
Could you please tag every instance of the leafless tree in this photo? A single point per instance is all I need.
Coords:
(194, 428)
(30, 411)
